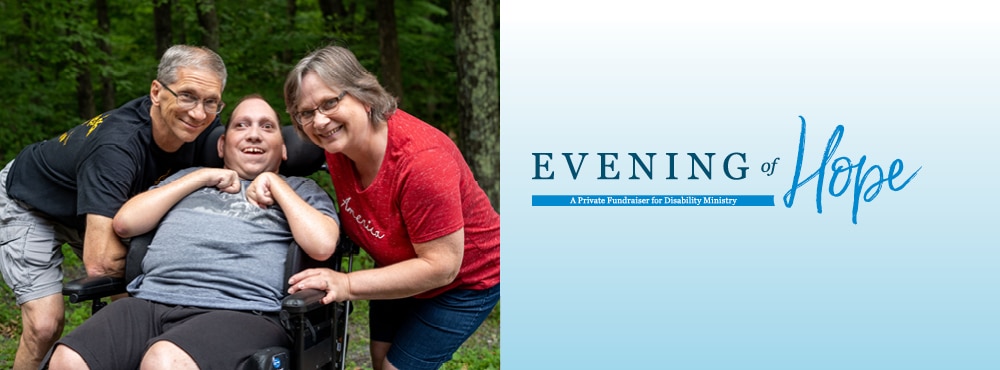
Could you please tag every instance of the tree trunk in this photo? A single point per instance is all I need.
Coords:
(84, 83)
(208, 18)
(162, 26)
(84, 89)
(333, 12)
(478, 92)
(290, 9)
(391, 70)
(107, 83)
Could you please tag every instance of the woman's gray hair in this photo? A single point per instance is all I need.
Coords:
(185, 56)
(337, 67)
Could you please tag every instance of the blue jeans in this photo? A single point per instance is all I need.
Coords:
(426, 332)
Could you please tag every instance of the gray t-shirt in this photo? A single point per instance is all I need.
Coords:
(216, 250)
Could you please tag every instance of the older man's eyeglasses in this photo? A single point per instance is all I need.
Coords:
(306, 117)
(187, 101)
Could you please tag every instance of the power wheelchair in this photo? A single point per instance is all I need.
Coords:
(319, 332)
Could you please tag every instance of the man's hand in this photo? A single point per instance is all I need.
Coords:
(143, 212)
(259, 191)
(220, 178)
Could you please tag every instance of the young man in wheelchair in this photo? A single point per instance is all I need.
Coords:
(212, 280)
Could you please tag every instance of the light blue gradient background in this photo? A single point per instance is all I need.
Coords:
(914, 285)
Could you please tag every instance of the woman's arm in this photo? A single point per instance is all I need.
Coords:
(437, 264)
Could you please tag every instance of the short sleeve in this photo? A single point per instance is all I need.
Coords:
(430, 200)
(315, 196)
(105, 180)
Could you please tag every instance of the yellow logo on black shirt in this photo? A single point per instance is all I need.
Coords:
(92, 124)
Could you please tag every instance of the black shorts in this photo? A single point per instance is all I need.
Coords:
(117, 336)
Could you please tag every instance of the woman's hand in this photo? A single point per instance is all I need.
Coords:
(336, 284)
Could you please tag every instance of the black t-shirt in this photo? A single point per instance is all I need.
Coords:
(97, 166)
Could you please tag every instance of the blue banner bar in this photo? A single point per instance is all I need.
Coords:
(619, 200)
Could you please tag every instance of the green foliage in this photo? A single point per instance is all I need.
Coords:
(10, 327)
(45, 45)
(426, 37)
(480, 358)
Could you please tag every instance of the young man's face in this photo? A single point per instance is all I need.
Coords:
(252, 143)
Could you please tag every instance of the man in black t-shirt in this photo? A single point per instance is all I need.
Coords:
(68, 189)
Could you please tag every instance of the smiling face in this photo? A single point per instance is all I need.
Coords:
(174, 126)
(344, 128)
(252, 143)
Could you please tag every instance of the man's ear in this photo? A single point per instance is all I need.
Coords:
(221, 144)
(154, 92)
(284, 153)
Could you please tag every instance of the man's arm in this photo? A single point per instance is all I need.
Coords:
(144, 211)
(103, 252)
(315, 232)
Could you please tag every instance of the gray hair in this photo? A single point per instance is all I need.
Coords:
(184, 56)
(337, 66)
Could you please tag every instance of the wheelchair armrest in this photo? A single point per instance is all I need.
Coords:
(303, 301)
(93, 287)
(319, 331)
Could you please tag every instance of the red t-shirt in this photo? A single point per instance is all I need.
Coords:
(423, 191)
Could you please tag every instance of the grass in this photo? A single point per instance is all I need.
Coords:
(481, 351)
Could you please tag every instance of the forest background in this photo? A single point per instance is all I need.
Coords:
(64, 62)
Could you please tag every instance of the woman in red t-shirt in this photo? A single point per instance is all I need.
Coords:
(408, 198)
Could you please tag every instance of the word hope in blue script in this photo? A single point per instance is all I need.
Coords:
(844, 166)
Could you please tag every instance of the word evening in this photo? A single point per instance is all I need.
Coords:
(642, 166)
